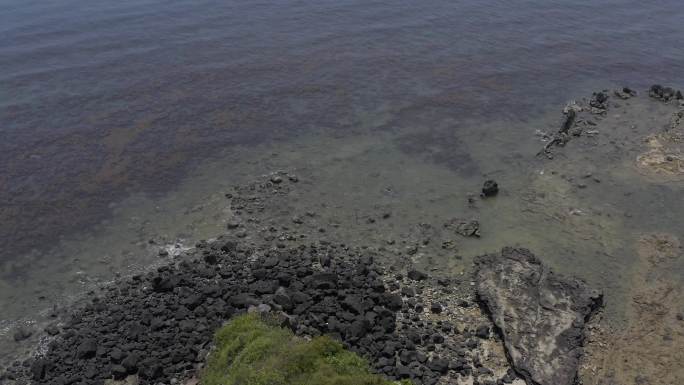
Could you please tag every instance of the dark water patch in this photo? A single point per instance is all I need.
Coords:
(441, 147)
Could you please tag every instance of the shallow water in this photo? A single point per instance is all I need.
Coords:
(124, 124)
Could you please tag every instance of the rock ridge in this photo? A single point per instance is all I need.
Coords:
(540, 315)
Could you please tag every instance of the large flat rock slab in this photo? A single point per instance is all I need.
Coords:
(541, 315)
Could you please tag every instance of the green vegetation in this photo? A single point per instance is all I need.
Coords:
(250, 351)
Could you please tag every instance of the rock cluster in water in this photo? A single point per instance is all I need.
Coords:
(664, 93)
(578, 119)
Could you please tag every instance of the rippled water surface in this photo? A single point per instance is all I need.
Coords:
(107, 107)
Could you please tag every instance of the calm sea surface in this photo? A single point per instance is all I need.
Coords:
(101, 100)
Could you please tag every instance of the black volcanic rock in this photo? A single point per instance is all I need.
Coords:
(490, 188)
(38, 368)
(131, 363)
(436, 308)
(599, 100)
(416, 275)
(87, 349)
(243, 300)
(482, 331)
(160, 324)
(439, 365)
(324, 281)
(663, 93)
(163, 283)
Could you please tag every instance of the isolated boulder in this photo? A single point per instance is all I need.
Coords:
(541, 315)
(490, 188)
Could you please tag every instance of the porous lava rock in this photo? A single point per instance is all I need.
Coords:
(540, 315)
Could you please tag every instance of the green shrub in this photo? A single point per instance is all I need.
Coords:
(250, 351)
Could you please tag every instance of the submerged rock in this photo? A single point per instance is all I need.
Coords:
(22, 333)
(568, 122)
(599, 100)
(625, 93)
(663, 93)
(464, 227)
(541, 315)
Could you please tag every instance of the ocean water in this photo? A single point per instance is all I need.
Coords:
(117, 116)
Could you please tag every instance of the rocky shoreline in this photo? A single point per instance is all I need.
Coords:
(156, 328)
(159, 326)
(511, 321)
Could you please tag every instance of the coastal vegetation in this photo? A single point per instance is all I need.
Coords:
(253, 351)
